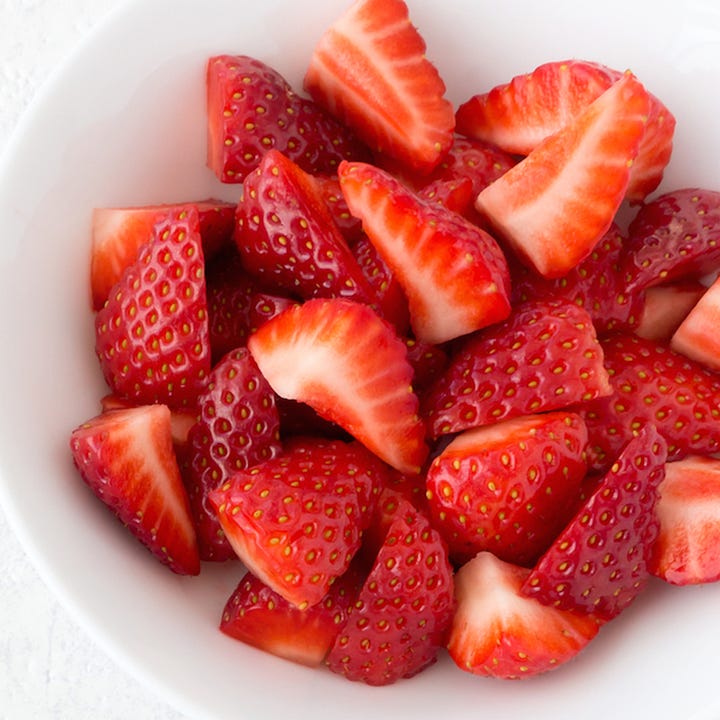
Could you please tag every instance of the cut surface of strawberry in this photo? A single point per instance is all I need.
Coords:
(498, 632)
(509, 487)
(599, 562)
(370, 70)
(348, 364)
(454, 274)
(687, 551)
(665, 307)
(400, 618)
(126, 457)
(543, 357)
(554, 206)
(151, 336)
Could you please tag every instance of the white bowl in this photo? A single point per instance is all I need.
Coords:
(123, 123)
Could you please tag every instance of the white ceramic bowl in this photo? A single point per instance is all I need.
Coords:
(123, 122)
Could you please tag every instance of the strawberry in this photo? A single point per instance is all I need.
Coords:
(454, 195)
(674, 237)
(543, 357)
(238, 427)
(251, 109)
(665, 307)
(151, 337)
(370, 70)
(554, 206)
(348, 364)
(454, 274)
(697, 337)
(119, 233)
(428, 362)
(520, 114)
(347, 223)
(687, 550)
(509, 487)
(498, 632)
(264, 307)
(126, 457)
(296, 520)
(652, 384)
(400, 618)
(255, 614)
(599, 562)
(286, 235)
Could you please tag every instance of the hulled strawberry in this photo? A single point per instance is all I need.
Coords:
(454, 274)
(499, 632)
(151, 336)
(127, 459)
(599, 562)
(400, 618)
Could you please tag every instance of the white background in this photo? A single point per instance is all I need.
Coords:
(49, 667)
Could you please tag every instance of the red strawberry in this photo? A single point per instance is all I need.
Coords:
(652, 384)
(238, 427)
(258, 616)
(296, 521)
(264, 307)
(454, 274)
(519, 115)
(348, 364)
(665, 307)
(454, 195)
(119, 233)
(370, 70)
(554, 206)
(509, 487)
(687, 550)
(347, 223)
(286, 235)
(151, 337)
(428, 362)
(599, 562)
(126, 457)
(674, 237)
(545, 356)
(498, 632)
(401, 616)
(252, 109)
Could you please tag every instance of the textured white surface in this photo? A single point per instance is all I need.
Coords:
(49, 667)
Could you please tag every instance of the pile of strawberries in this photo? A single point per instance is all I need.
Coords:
(418, 379)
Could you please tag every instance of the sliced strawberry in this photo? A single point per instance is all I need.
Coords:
(126, 457)
(554, 206)
(119, 233)
(697, 335)
(454, 195)
(348, 224)
(599, 563)
(151, 337)
(453, 273)
(509, 487)
(428, 362)
(344, 361)
(665, 307)
(400, 618)
(687, 551)
(251, 109)
(543, 357)
(238, 427)
(296, 521)
(286, 235)
(264, 307)
(674, 237)
(652, 384)
(370, 70)
(498, 632)
(255, 614)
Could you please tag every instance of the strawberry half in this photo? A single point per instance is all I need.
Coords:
(370, 70)
(499, 632)
(509, 487)
(251, 109)
(400, 619)
(554, 206)
(687, 551)
(543, 357)
(348, 364)
(665, 307)
(126, 457)
(454, 274)
(151, 336)
(599, 562)
(697, 336)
